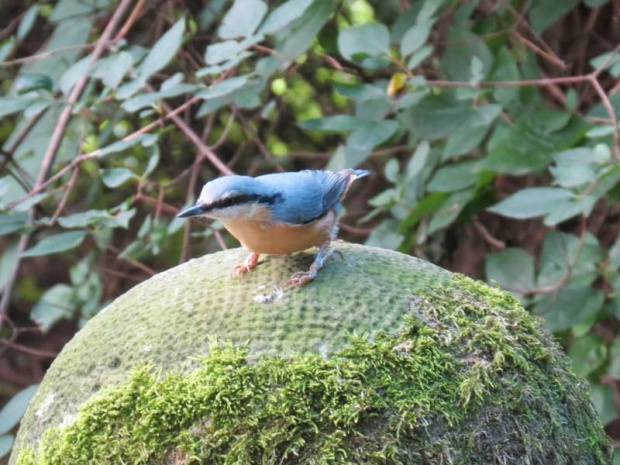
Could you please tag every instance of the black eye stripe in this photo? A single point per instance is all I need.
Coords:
(241, 199)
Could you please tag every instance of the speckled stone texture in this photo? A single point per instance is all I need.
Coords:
(171, 318)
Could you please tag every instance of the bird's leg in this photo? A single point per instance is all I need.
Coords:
(304, 277)
(246, 266)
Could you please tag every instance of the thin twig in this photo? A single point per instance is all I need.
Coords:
(256, 139)
(610, 110)
(487, 236)
(539, 51)
(141, 266)
(193, 180)
(28, 350)
(130, 21)
(65, 197)
(41, 55)
(219, 239)
(195, 139)
(63, 120)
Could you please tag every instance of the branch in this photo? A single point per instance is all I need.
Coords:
(96, 153)
(54, 144)
(196, 140)
(60, 129)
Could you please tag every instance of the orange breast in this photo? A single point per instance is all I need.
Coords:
(265, 237)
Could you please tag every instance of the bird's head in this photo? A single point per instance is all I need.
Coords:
(231, 197)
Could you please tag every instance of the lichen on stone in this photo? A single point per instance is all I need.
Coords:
(470, 378)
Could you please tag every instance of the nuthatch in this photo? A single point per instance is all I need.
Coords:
(278, 213)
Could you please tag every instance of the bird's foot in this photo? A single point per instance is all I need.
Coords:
(247, 266)
(304, 277)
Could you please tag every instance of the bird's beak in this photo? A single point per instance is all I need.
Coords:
(191, 211)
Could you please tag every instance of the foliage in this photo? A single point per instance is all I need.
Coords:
(470, 370)
(492, 129)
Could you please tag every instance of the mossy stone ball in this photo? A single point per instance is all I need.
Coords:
(384, 358)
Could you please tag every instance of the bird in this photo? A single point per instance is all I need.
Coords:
(279, 213)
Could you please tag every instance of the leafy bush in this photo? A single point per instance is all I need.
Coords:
(492, 129)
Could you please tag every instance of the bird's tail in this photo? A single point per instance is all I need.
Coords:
(361, 173)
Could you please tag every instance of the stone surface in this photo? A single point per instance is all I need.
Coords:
(171, 320)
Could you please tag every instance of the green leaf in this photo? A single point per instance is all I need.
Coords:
(153, 161)
(6, 444)
(429, 8)
(57, 303)
(520, 149)
(512, 268)
(456, 176)
(31, 201)
(7, 261)
(56, 243)
(12, 221)
(370, 134)
(385, 235)
(604, 400)
(614, 256)
(569, 208)
(435, 117)
(415, 37)
(364, 40)
(463, 46)
(14, 410)
(391, 170)
(25, 25)
(463, 140)
(284, 15)
(223, 88)
(417, 162)
(450, 210)
(303, 32)
(336, 123)
(10, 105)
(242, 19)
(112, 69)
(587, 353)
(31, 82)
(419, 56)
(164, 50)
(575, 167)
(361, 92)
(532, 202)
(145, 100)
(121, 145)
(97, 218)
(614, 367)
(605, 61)
(572, 305)
(564, 253)
(74, 74)
(221, 51)
(218, 69)
(505, 69)
(6, 48)
(543, 13)
(211, 105)
(114, 177)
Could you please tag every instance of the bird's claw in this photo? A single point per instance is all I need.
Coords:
(245, 267)
(240, 270)
(302, 278)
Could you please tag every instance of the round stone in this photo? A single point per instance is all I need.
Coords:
(384, 358)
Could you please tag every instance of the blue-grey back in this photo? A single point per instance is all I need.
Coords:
(307, 195)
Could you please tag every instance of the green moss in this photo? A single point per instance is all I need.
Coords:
(470, 378)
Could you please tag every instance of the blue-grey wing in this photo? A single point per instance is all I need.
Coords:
(310, 194)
